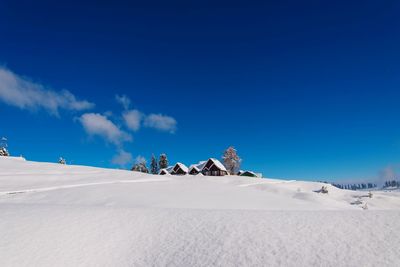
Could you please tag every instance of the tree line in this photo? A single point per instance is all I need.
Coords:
(391, 183)
(230, 158)
(360, 186)
(155, 165)
(363, 186)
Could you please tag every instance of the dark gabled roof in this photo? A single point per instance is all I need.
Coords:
(167, 170)
(198, 167)
(217, 163)
(181, 166)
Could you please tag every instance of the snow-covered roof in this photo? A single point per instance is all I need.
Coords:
(218, 164)
(198, 166)
(193, 166)
(168, 170)
(182, 166)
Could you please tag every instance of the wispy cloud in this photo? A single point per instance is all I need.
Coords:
(100, 125)
(123, 100)
(21, 92)
(122, 158)
(133, 119)
(96, 124)
(389, 173)
(160, 122)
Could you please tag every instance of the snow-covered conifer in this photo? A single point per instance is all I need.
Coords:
(163, 161)
(231, 160)
(153, 165)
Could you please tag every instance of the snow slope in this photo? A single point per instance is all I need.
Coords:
(57, 215)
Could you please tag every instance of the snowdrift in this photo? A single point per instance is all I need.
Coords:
(60, 215)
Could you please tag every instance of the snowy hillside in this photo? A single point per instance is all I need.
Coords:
(58, 215)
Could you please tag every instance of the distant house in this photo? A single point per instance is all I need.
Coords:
(165, 171)
(196, 168)
(179, 169)
(210, 167)
(214, 167)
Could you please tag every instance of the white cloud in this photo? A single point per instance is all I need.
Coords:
(160, 122)
(97, 124)
(122, 158)
(133, 119)
(21, 92)
(123, 100)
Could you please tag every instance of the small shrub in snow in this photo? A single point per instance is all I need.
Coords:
(324, 189)
(140, 165)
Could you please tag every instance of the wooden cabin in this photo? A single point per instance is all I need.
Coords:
(214, 167)
(195, 169)
(179, 169)
(165, 171)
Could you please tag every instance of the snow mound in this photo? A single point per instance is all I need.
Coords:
(61, 215)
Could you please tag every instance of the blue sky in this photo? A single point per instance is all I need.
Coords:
(302, 90)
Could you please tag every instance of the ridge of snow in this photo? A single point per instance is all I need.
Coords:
(68, 215)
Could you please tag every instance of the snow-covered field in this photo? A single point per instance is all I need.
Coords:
(56, 215)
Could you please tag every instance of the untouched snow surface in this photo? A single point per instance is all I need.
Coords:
(57, 215)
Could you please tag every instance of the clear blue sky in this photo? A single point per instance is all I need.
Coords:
(301, 89)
